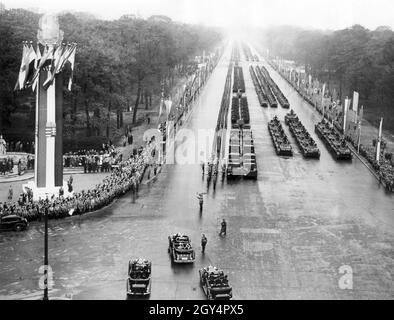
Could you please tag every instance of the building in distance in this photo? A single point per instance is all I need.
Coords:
(159, 18)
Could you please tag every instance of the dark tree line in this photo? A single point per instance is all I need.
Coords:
(351, 59)
(120, 64)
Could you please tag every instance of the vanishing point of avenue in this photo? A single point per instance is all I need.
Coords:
(290, 208)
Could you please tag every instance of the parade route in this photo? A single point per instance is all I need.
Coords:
(288, 234)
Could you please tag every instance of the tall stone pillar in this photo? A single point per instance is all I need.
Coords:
(49, 108)
(59, 130)
(48, 171)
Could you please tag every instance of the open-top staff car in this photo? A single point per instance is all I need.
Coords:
(180, 248)
(215, 284)
(13, 223)
(139, 280)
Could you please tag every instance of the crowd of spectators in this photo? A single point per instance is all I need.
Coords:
(9, 165)
(20, 146)
(93, 160)
(384, 168)
(125, 177)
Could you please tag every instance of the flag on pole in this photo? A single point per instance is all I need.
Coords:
(31, 62)
(322, 97)
(161, 107)
(360, 115)
(71, 59)
(345, 107)
(310, 81)
(379, 140)
(26, 70)
(355, 104)
(334, 95)
(66, 55)
(168, 104)
(355, 101)
(38, 57)
(45, 60)
(55, 63)
(316, 83)
(37, 62)
(360, 120)
(22, 69)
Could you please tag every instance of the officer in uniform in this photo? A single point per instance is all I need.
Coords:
(200, 199)
(224, 228)
(204, 241)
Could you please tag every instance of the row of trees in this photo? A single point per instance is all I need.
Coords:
(351, 59)
(119, 64)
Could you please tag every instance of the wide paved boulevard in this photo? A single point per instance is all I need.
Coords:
(289, 232)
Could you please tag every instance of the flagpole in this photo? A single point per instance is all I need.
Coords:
(379, 141)
(360, 114)
(359, 138)
(322, 99)
(345, 116)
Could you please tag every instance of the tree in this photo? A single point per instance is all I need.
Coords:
(118, 63)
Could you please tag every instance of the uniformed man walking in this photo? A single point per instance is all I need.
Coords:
(10, 193)
(223, 230)
(200, 199)
(204, 241)
(223, 171)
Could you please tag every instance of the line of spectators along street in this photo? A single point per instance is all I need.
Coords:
(127, 176)
(384, 169)
(20, 146)
(93, 160)
(8, 165)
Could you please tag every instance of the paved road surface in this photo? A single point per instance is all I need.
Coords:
(289, 232)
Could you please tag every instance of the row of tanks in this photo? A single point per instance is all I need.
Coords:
(275, 89)
(260, 93)
(239, 82)
(333, 140)
(265, 88)
(248, 53)
(235, 56)
(239, 111)
(279, 138)
(304, 140)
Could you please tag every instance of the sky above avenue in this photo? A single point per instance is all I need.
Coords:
(322, 14)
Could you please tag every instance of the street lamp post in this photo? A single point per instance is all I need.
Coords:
(169, 131)
(47, 81)
(46, 256)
